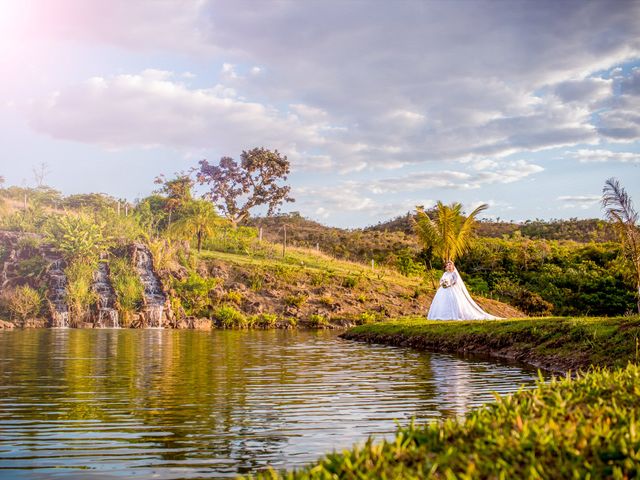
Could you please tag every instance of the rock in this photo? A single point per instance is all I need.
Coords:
(202, 324)
(4, 325)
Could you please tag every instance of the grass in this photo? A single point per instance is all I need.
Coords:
(558, 344)
(584, 427)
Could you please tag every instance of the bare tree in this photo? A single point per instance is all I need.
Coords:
(620, 212)
(40, 173)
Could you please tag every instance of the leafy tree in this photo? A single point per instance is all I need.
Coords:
(448, 235)
(620, 212)
(197, 219)
(236, 189)
(177, 192)
(77, 237)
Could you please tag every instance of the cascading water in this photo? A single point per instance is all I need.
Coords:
(154, 297)
(107, 315)
(57, 287)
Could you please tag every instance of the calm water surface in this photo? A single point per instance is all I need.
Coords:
(182, 404)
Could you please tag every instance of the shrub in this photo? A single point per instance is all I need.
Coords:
(366, 317)
(32, 267)
(80, 295)
(228, 317)
(233, 296)
(194, 293)
(351, 281)
(327, 300)
(24, 302)
(295, 300)
(77, 237)
(362, 298)
(256, 280)
(265, 320)
(128, 287)
(318, 321)
(529, 302)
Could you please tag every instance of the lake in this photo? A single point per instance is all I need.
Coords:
(172, 404)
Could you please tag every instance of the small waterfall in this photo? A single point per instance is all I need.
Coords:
(154, 297)
(107, 315)
(57, 293)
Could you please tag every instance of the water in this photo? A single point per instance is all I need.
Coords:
(154, 297)
(169, 404)
(107, 315)
(57, 294)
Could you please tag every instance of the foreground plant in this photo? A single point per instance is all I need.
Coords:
(585, 427)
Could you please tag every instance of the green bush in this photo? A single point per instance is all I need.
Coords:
(128, 287)
(583, 427)
(228, 317)
(233, 296)
(80, 295)
(265, 320)
(78, 237)
(193, 293)
(351, 281)
(23, 302)
(295, 300)
(318, 321)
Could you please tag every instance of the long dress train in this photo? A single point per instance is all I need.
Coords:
(453, 302)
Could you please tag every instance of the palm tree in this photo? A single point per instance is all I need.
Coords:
(619, 210)
(449, 234)
(198, 218)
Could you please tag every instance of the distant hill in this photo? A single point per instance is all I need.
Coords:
(382, 242)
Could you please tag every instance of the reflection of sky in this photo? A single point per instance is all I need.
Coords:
(182, 403)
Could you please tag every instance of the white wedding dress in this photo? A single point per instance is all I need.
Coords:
(454, 302)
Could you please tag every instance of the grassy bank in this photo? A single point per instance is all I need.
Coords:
(569, 428)
(557, 344)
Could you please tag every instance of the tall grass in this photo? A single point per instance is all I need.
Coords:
(128, 287)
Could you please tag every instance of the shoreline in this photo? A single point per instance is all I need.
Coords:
(557, 345)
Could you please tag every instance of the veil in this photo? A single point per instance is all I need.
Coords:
(469, 309)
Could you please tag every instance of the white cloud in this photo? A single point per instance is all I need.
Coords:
(579, 201)
(601, 156)
(504, 172)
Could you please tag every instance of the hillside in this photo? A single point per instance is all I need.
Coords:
(258, 287)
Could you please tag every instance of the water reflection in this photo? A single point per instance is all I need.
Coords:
(184, 404)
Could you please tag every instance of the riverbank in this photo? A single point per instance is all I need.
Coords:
(584, 427)
(554, 344)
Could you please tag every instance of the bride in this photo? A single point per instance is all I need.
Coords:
(452, 300)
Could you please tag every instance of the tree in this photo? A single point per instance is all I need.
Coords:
(198, 218)
(236, 189)
(177, 191)
(620, 212)
(449, 234)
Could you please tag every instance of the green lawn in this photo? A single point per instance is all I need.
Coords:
(553, 343)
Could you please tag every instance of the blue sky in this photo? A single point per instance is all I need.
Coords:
(380, 106)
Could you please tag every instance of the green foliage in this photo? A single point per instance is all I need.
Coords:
(525, 300)
(351, 281)
(448, 234)
(31, 268)
(77, 237)
(568, 428)
(80, 295)
(23, 302)
(193, 293)
(236, 240)
(366, 318)
(295, 300)
(198, 219)
(407, 264)
(229, 317)
(128, 287)
(233, 296)
(265, 320)
(318, 321)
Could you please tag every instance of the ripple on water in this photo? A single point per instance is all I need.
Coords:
(179, 404)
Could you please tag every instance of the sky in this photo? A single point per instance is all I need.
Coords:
(528, 106)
